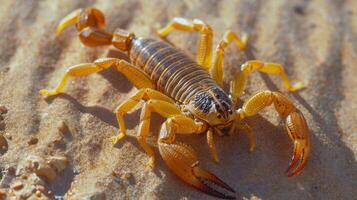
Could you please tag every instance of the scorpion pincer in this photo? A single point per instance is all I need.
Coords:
(187, 93)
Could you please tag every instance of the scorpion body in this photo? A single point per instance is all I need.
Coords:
(173, 72)
(186, 92)
(177, 75)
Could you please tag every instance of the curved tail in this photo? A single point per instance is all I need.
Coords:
(90, 24)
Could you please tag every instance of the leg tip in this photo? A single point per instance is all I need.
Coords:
(244, 41)
(252, 144)
(59, 30)
(116, 139)
(45, 93)
(42, 92)
(151, 163)
(215, 157)
(297, 86)
(161, 33)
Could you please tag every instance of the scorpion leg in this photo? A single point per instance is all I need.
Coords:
(211, 146)
(135, 75)
(182, 159)
(294, 121)
(165, 109)
(239, 82)
(204, 54)
(216, 69)
(126, 106)
(248, 130)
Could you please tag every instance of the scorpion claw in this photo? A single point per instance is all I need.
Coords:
(298, 162)
(298, 132)
(182, 160)
(204, 176)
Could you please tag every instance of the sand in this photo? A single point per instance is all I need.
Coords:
(316, 41)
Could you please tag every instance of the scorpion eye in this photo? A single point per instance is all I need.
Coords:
(219, 116)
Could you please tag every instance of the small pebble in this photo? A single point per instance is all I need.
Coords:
(2, 125)
(32, 141)
(17, 185)
(40, 188)
(57, 141)
(24, 176)
(3, 143)
(38, 193)
(11, 170)
(2, 193)
(8, 136)
(115, 173)
(58, 162)
(47, 172)
(299, 9)
(3, 110)
(63, 128)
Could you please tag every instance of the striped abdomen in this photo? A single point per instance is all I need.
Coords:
(174, 73)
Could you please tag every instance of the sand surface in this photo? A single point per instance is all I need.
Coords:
(315, 40)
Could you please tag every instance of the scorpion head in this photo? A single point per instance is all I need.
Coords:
(214, 107)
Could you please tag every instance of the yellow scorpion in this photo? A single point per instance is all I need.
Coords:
(186, 92)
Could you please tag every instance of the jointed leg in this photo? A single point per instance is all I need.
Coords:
(165, 109)
(76, 70)
(238, 84)
(248, 130)
(294, 121)
(211, 145)
(236, 125)
(216, 68)
(204, 54)
(135, 75)
(157, 102)
(127, 105)
(250, 134)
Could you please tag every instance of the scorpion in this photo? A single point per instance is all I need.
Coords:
(187, 93)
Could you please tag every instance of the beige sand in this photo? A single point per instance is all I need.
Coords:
(315, 40)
